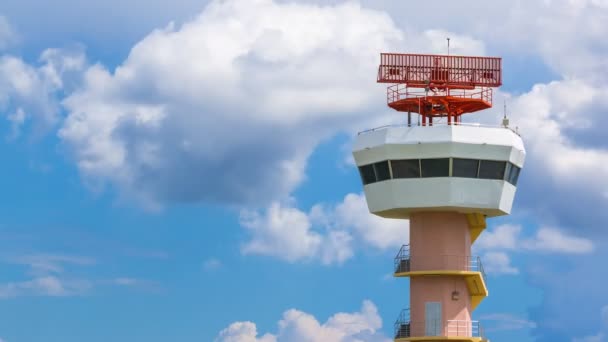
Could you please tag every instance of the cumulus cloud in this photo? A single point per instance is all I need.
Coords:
(505, 238)
(229, 106)
(31, 93)
(327, 233)
(498, 263)
(352, 214)
(287, 233)
(561, 122)
(243, 332)
(546, 240)
(298, 326)
(501, 237)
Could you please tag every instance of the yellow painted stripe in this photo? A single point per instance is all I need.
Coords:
(477, 287)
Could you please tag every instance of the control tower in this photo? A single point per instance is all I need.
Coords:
(446, 177)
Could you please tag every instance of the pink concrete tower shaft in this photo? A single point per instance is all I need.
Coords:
(439, 241)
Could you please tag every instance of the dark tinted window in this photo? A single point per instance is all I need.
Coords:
(435, 167)
(513, 175)
(465, 167)
(382, 171)
(406, 168)
(489, 169)
(508, 172)
(367, 174)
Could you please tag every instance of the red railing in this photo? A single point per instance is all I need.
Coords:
(398, 92)
(456, 71)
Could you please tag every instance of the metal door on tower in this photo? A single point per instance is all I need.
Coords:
(432, 313)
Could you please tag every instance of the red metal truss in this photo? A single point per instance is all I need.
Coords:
(440, 70)
(439, 85)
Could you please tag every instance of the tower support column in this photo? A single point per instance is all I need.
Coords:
(440, 302)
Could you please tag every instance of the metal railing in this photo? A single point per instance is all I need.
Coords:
(461, 328)
(402, 259)
(402, 324)
(464, 328)
(468, 124)
(406, 263)
(399, 92)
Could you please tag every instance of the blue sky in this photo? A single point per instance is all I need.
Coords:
(182, 171)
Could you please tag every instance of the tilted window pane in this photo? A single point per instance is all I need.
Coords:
(508, 172)
(435, 167)
(409, 168)
(465, 167)
(514, 175)
(490, 169)
(367, 174)
(382, 171)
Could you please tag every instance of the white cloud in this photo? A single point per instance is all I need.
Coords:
(505, 321)
(498, 263)
(228, 107)
(47, 276)
(502, 237)
(552, 240)
(508, 238)
(17, 119)
(546, 240)
(243, 332)
(352, 214)
(328, 233)
(297, 326)
(44, 286)
(44, 264)
(7, 35)
(287, 233)
(51, 276)
(29, 93)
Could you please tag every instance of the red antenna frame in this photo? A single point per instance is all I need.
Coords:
(439, 85)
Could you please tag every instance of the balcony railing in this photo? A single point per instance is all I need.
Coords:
(406, 263)
(461, 328)
(402, 324)
(435, 124)
(399, 92)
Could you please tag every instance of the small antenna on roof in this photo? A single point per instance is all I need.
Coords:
(505, 119)
(448, 38)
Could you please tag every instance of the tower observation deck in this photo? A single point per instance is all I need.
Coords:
(446, 179)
